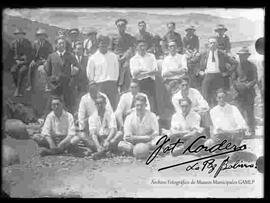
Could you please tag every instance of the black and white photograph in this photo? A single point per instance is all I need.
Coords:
(133, 102)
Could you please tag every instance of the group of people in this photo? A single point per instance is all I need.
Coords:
(103, 89)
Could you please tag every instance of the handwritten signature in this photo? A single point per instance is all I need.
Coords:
(224, 147)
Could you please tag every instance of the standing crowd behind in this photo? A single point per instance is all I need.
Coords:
(103, 90)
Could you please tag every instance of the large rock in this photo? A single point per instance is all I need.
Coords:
(141, 151)
(10, 156)
(16, 129)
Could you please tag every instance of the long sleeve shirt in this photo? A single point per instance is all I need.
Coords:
(227, 118)
(103, 67)
(198, 102)
(143, 63)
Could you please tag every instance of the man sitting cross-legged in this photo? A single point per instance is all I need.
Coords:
(185, 124)
(103, 129)
(228, 123)
(141, 126)
(127, 103)
(57, 131)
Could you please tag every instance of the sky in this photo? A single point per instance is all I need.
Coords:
(254, 14)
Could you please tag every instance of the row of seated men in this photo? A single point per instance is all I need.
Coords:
(103, 130)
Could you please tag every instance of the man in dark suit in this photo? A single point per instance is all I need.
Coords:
(223, 41)
(73, 37)
(80, 80)
(21, 53)
(143, 34)
(244, 80)
(42, 49)
(123, 45)
(215, 68)
(63, 65)
(172, 35)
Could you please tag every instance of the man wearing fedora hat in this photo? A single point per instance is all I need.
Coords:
(123, 45)
(22, 53)
(191, 41)
(172, 35)
(42, 48)
(191, 48)
(90, 45)
(73, 37)
(244, 80)
(223, 41)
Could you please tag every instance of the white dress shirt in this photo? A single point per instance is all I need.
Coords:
(61, 53)
(87, 107)
(102, 127)
(54, 126)
(148, 125)
(103, 67)
(212, 67)
(146, 63)
(227, 118)
(198, 102)
(190, 122)
(174, 63)
(125, 103)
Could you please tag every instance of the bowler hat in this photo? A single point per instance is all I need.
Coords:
(141, 22)
(73, 31)
(19, 31)
(41, 31)
(243, 50)
(190, 28)
(220, 27)
(121, 21)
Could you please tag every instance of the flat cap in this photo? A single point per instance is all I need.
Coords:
(220, 27)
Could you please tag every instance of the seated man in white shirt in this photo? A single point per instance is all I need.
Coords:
(102, 128)
(228, 123)
(185, 124)
(141, 126)
(127, 103)
(57, 131)
(174, 66)
(199, 104)
(87, 107)
(143, 67)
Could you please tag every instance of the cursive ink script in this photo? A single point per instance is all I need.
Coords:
(210, 165)
(225, 147)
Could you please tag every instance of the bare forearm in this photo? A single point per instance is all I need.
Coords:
(50, 141)
(112, 133)
(95, 139)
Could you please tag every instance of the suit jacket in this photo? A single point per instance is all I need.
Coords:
(224, 43)
(81, 79)
(191, 42)
(55, 66)
(175, 36)
(223, 58)
(42, 52)
(21, 50)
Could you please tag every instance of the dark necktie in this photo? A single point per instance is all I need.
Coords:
(133, 102)
(213, 57)
(61, 56)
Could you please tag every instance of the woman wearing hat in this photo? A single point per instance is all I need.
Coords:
(245, 79)
(21, 53)
(223, 41)
(42, 49)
